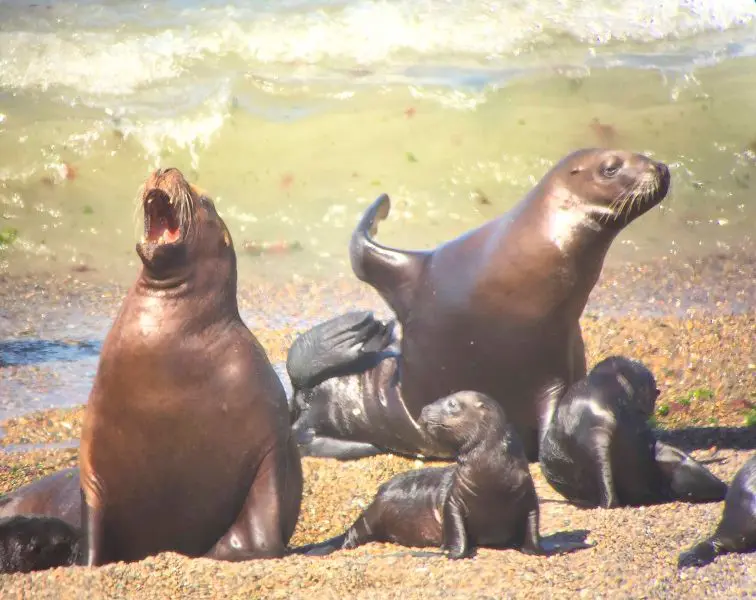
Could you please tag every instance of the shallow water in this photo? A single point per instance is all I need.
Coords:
(294, 115)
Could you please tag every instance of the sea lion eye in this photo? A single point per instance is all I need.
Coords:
(611, 169)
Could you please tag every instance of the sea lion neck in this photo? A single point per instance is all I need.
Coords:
(200, 293)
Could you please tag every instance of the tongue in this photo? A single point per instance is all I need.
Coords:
(171, 236)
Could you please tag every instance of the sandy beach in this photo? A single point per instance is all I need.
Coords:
(697, 337)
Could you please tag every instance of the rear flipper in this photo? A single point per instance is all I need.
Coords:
(321, 548)
(358, 534)
(686, 479)
(327, 447)
(338, 345)
(701, 554)
(392, 272)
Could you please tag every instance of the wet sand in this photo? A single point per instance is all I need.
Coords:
(693, 323)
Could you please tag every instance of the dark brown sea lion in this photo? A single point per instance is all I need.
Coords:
(486, 499)
(186, 444)
(35, 543)
(497, 309)
(597, 448)
(345, 380)
(56, 495)
(736, 531)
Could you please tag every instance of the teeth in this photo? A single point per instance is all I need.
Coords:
(170, 201)
(144, 239)
(149, 201)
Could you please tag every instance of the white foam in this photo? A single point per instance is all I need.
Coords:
(136, 46)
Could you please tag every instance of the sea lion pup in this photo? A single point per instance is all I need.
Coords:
(497, 310)
(736, 531)
(186, 444)
(597, 448)
(344, 373)
(34, 543)
(55, 495)
(486, 499)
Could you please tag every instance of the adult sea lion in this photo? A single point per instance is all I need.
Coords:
(186, 444)
(736, 531)
(56, 495)
(486, 499)
(496, 310)
(597, 448)
(34, 543)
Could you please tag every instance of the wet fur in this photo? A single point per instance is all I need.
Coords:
(597, 448)
(34, 543)
(736, 531)
(486, 499)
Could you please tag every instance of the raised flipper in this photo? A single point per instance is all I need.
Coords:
(393, 273)
(686, 479)
(335, 346)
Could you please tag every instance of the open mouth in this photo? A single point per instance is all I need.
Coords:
(161, 223)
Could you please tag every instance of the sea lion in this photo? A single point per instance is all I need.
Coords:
(597, 448)
(345, 380)
(736, 531)
(497, 310)
(56, 495)
(35, 543)
(186, 444)
(486, 499)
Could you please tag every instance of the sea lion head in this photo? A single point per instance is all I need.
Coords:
(635, 378)
(34, 543)
(461, 420)
(609, 188)
(183, 234)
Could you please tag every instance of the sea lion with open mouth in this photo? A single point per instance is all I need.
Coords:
(496, 310)
(186, 444)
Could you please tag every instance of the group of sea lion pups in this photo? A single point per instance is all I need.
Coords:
(189, 444)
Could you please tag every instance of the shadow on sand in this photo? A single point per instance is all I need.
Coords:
(688, 439)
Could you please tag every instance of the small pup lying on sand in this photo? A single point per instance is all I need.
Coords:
(486, 499)
(597, 448)
(34, 543)
(736, 531)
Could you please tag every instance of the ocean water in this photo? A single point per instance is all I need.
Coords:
(295, 114)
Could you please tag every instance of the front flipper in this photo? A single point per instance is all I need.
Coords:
(602, 464)
(455, 542)
(686, 479)
(336, 345)
(270, 511)
(93, 552)
(326, 447)
(699, 555)
(392, 272)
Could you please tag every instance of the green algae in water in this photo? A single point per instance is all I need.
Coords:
(8, 235)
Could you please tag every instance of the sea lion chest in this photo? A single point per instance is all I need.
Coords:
(176, 425)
